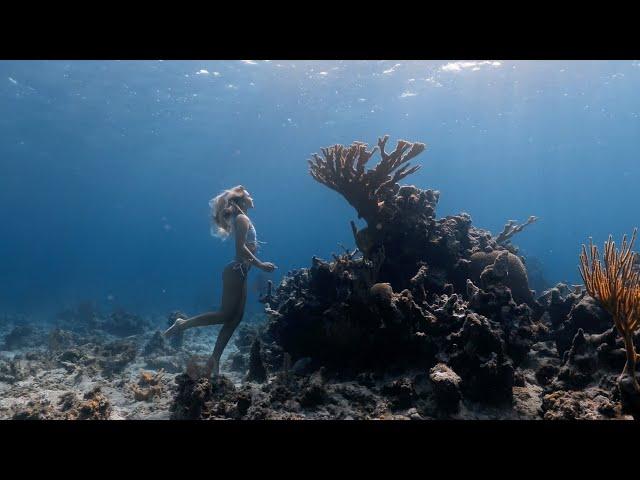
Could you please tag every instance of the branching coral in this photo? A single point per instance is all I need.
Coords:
(615, 283)
(343, 170)
(511, 228)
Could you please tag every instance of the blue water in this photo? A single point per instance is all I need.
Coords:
(106, 168)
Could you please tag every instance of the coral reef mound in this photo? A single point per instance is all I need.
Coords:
(433, 314)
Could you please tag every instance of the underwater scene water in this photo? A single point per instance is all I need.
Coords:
(106, 173)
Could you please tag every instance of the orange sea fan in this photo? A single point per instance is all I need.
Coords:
(614, 281)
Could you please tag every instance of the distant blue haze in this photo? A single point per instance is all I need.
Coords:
(106, 168)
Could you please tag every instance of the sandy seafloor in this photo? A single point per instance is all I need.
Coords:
(46, 382)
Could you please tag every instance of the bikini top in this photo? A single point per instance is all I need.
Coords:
(251, 233)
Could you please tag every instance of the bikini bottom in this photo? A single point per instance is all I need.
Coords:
(241, 267)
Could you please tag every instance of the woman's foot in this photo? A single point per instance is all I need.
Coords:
(175, 328)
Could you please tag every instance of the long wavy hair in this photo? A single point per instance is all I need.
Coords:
(223, 208)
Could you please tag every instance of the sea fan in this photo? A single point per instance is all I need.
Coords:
(615, 283)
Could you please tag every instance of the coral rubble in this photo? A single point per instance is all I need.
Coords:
(85, 373)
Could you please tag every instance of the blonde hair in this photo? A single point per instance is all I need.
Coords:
(223, 206)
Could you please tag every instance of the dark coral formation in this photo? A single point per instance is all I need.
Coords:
(437, 296)
(408, 297)
(503, 266)
(478, 354)
(257, 371)
(446, 386)
(202, 399)
(287, 398)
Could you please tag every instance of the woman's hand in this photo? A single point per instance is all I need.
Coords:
(267, 266)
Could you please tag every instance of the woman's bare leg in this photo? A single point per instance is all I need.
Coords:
(226, 332)
(202, 320)
(231, 295)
